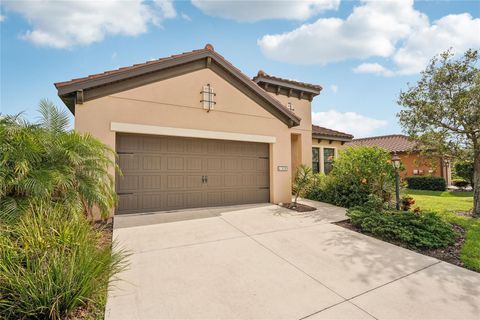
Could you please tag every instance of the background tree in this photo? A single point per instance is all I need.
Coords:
(442, 110)
(464, 169)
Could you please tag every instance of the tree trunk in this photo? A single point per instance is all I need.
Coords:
(476, 183)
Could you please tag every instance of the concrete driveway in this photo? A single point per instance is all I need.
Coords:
(266, 262)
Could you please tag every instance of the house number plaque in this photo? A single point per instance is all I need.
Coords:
(282, 168)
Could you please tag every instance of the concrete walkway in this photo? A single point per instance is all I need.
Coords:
(267, 262)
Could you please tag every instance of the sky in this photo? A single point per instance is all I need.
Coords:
(363, 53)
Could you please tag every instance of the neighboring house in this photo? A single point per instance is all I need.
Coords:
(413, 161)
(191, 130)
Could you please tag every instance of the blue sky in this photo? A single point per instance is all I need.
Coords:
(362, 53)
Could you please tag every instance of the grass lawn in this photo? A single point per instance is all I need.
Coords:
(445, 203)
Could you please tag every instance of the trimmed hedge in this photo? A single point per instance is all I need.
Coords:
(426, 183)
(426, 230)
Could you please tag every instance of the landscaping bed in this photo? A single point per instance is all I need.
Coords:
(450, 254)
(298, 207)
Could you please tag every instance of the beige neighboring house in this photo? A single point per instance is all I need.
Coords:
(191, 130)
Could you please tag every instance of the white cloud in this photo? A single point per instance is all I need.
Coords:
(62, 24)
(386, 29)
(2, 18)
(334, 88)
(458, 31)
(251, 11)
(350, 122)
(185, 16)
(374, 68)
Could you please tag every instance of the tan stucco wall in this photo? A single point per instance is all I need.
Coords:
(337, 145)
(303, 109)
(176, 103)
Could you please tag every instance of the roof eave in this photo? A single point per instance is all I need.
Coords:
(327, 137)
(314, 92)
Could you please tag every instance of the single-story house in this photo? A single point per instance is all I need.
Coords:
(191, 130)
(414, 163)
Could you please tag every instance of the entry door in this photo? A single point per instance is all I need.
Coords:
(169, 173)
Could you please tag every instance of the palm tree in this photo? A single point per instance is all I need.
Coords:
(46, 160)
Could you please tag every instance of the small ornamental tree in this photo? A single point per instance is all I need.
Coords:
(302, 179)
(442, 110)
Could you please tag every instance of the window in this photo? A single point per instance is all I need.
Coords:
(316, 160)
(328, 156)
(208, 97)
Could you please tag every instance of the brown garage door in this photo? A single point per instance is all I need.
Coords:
(169, 173)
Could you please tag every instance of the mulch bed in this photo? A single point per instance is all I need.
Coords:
(298, 207)
(450, 254)
(107, 232)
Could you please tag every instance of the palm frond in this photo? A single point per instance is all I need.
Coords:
(53, 118)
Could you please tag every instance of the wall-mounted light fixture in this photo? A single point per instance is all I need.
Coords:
(208, 98)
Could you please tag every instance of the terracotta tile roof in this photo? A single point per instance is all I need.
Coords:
(262, 75)
(392, 143)
(325, 132)
(129, 68)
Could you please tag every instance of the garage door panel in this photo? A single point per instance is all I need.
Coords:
(194, 199)
(168, 173)
(151, 201)
(215, 148)
(233, 180)
(175, 182)
(128, 183)
(130, 143)
(194, 164)
(215, 164)
(195, 147)
(215, 181)
(175, 163)
(153, 183)
(262, 165)
(175, 145)
(154, 144)
(263, 181)
(127, 202)
(129, 161)
(248, 164)
(232, 164)
(151, 162)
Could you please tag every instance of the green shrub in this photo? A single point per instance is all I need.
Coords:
(425, 230)
(51, 262)
(357, 173)
(426, 183)
(314, 189)
(460, 183)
